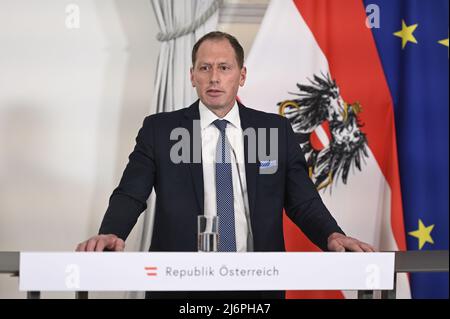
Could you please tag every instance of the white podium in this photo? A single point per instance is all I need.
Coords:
(205, 271)
(71, 271)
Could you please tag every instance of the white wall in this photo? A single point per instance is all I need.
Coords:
(71, 104)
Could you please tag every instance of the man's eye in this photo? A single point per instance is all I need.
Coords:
(224, 67)
(204, 68)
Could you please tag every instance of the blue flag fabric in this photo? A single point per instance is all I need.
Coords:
(412, 41)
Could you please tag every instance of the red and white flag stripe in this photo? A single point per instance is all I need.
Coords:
(302, 38)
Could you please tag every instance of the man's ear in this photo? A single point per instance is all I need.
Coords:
(243, 76)
(192, 77)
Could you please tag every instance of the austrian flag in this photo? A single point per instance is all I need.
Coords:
(316, 63)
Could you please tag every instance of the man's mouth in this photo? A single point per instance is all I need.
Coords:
(214, 92)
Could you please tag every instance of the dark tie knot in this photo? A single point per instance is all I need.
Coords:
(221, 125)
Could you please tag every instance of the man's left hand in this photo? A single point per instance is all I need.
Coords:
(341, 243)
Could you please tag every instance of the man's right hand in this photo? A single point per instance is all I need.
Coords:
(102, 242)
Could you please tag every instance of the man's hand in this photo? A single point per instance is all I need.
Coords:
(340, 243)
(102, 242)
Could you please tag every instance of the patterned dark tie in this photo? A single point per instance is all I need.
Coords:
(224, 191)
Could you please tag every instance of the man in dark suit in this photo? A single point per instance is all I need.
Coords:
(219, 167)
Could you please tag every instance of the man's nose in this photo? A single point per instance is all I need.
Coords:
(215, 78)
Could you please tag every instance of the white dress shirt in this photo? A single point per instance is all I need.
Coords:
(210, 135)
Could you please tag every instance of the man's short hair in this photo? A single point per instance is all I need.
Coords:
(217, 35)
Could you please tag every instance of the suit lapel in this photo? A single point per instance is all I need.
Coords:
(192, 113)
(251, 169)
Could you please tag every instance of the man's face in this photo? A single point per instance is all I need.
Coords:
(216, 74)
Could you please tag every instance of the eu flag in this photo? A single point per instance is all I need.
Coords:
(412, 41)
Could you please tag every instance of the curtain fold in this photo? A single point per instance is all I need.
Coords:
(173, 89)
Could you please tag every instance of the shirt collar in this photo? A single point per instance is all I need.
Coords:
(207, 117)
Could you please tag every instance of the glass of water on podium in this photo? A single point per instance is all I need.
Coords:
(208, 233)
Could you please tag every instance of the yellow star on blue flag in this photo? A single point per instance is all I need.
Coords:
(423, 234)
(407, 33)
(444, 42)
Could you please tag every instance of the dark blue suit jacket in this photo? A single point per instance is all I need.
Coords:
(179, 187)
